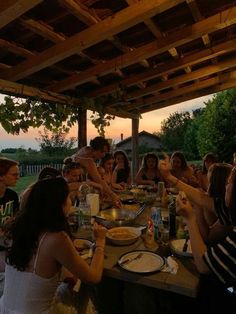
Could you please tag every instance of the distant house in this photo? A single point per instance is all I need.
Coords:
(146, 140)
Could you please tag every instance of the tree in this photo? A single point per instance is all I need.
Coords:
(190, 136)
(173, 130)
(218, 124)
(55, 143)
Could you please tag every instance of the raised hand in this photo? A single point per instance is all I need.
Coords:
(165, 166)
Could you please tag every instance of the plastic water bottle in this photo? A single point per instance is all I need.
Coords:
(157, 221)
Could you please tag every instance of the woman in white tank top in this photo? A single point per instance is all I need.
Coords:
(41, 245)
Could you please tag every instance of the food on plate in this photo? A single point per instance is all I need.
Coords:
(82, 245)
(121, 234)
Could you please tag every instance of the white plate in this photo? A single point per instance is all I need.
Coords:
(148, 262)
(82, 245)
(177, 247)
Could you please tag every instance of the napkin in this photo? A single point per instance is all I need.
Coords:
(171, 266)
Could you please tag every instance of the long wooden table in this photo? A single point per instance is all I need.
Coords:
(185, 282)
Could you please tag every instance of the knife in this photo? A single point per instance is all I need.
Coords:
(185, 247)
(129, 260)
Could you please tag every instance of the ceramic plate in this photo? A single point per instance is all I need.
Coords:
(177, 247)
(83, 245)
(142, 262)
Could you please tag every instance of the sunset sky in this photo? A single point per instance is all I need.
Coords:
(150, 122)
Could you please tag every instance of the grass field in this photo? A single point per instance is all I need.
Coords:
(23, 183)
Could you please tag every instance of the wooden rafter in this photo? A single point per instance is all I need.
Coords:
(213, 23)
(11, 9)
(173, 65)
(91, 36)
(23, 91)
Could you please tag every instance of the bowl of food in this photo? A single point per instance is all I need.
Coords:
(123, 235)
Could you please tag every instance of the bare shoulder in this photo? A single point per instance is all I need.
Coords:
(57, 238)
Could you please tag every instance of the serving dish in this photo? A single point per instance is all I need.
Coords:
(115, 217)
(123, 235)
(141, 261)
(177, 246)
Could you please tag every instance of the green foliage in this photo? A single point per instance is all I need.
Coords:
(55, 143)
(173, 130)
(18, 115)
(218, 124)
(190, 136)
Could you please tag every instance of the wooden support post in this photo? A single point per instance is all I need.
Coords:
(135, 154)
(82, 128)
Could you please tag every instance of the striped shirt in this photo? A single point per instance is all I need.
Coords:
(221, 259)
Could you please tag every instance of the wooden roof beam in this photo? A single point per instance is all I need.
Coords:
(15, 49)
(198, 17)
(181, 91)
(23, 91)
(80, 11)
(226, 82)
(172, 65)
(86, 16)
(187, 34)
(44, 30)
(201, 73)
(12, 9)
(91, 36)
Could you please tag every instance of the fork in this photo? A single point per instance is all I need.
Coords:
(185, 246)
(129, 260)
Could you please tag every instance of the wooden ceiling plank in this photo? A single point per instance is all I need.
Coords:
(91, 36)
(43, 30)
(172, 65)
(47, 32)
(12, 9)
(198, 17)
(15, 49)
(189, 33)
(178, 92)
(20, 90)
(208, 70)
(80, 11)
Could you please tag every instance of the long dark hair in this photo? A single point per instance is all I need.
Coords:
(41, 212)
(126, 160)
(149, 156)
(219, 173)
(182, 159)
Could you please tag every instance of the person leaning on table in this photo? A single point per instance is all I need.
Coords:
(87, 156)
(41, 245)
(218, 260)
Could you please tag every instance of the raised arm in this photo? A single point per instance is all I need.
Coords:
(66, 255)
(195, 195)
(94, 174)
(184, 208)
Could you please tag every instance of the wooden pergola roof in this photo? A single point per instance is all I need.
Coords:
(149, 53)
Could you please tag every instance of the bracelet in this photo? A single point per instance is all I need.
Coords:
(176, 182)
(100, 247)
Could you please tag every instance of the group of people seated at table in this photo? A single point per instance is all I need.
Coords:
(39, 241)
